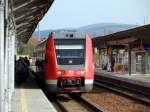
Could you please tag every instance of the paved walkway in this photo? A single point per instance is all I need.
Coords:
(29, 98)
(137, 77)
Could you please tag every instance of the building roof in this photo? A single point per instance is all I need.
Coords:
(27, 14)
(34, 40)
(126, 36)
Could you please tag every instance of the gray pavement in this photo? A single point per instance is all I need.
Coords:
(28, 97)
(140, 79)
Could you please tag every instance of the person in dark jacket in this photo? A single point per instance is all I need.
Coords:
(112, 64)
(27, 61)
(21, 70)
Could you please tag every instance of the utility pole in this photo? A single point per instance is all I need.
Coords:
(144, 20)
(39, 30)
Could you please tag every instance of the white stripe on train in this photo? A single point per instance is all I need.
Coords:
(87, 81)
(51, 81)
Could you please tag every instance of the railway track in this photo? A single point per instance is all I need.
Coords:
(132, 91)
(68, 102)
(75, 103)
(101, 99)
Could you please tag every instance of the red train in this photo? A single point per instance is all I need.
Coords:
(68, 63)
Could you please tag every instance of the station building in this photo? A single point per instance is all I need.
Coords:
(129, 49)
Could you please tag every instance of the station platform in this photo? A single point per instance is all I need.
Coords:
(138, 79)
(28, 97)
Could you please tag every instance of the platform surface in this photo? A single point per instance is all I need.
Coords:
(28, 97)
(140, 79)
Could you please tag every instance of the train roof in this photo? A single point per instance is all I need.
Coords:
(70, 34)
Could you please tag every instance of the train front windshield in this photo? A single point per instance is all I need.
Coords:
(70, 52)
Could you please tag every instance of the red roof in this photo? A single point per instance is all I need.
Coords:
(35, 40)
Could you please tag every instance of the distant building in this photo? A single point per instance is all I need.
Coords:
(35, 40)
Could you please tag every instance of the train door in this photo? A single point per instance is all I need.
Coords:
(140, 62)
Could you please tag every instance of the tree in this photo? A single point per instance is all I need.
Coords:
(27, 49)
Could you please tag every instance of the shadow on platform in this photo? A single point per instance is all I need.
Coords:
(29, 83)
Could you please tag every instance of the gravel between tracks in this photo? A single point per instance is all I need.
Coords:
(111, 102)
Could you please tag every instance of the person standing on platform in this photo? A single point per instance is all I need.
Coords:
(27, 61)
(112, 64)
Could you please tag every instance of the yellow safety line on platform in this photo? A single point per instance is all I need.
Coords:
(23, 101)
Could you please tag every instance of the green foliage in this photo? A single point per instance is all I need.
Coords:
(26, 49)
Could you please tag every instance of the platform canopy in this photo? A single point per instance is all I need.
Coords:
(123, 37)
(27, 14)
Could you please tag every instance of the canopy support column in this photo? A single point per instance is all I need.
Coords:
(129, 58)
(2, 95)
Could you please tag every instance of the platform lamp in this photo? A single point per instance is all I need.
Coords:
(141, 47)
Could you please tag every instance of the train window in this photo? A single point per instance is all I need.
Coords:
(70, 52)
(66, 35)
(70, 57)
(71, 35)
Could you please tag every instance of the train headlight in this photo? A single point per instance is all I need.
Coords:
(60, 72)
(80, 72)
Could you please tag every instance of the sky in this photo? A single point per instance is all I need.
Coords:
(77, 13)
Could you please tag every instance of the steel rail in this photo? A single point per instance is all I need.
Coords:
(81, 101)
(126, 89)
